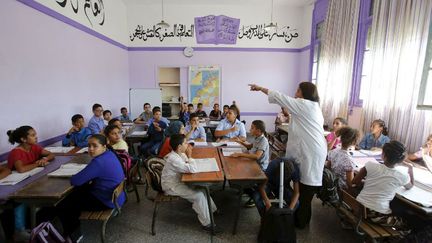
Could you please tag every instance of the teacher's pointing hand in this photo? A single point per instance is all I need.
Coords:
(254, 87)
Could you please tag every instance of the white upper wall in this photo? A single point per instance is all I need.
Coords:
(112, 13)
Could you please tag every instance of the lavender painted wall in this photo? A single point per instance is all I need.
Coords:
(50, 71)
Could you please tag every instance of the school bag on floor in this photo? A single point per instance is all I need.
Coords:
(328, 193)
(277, 224)
(46, 233)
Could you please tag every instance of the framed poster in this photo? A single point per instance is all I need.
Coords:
(204, 85)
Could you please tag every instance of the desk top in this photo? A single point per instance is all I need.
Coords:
(241, 169)
(136, 128)
(200, 153)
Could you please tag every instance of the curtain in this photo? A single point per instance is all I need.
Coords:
(335, 67)
(398, 46)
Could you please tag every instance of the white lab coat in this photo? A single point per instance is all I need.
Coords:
(306, 143)
(171, 184)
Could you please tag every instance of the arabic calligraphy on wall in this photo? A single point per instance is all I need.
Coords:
(182, 31)
(93, 9)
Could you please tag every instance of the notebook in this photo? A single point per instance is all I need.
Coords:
(17, 177)
(230, 151)
(68, 170)
(205, 165)
(139, 133)
(59, 150)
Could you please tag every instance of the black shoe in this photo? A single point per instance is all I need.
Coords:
(216, 229)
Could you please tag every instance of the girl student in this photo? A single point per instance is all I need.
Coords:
(333, 141)
(25, 157)
(339, 159)
(381, 181)
(94, 186)
(113, 133)
(259, 149)
(425, 150)
(377, 136)
(177, 162)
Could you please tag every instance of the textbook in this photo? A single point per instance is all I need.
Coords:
(59, 150)
(139, 133)
(198, 144)
(230, 151)
(68, 170)
(205, 165)
(17, 177)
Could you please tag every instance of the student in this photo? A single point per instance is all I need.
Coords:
(96, 123)
(194, 131)
(157, 108)
(25, 157)
(334, 141)
(382, 181)
(107, 116)
(225, 111)
(124, 117)
(215, 114)
(425, 150)
(230, 127)
(117, 122)
(177, 162)
(259, 150)
(78, 134)
(113, 133)
(156, 134)
(377, 136)
(237, 109)
(339, 159)
(174, 128)
(282, 117)
(199, 111)
(144, 117)
(94, 186)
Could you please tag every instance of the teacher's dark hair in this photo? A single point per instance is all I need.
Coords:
(309, 91)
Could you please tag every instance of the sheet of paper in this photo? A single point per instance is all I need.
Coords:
(356, 153)
(127, 124)
(206, 165)
(214, 122)
(229, 151)
(423, 176)
(233, 144)
(17, 177)
(198, 144)
(83, 150)
(68, 170)
(360, 162)
(371, 152)
(139, 133)
(59, 150)
(418, 195)
(217, 144)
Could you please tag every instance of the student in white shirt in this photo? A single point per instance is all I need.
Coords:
(177, 162)
(306, 143)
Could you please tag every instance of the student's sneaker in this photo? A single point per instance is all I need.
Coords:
(21, 236)
(216, 229)
(250, 203)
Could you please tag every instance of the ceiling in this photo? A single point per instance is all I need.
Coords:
(297, 3)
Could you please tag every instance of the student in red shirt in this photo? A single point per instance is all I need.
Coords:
(28, 154)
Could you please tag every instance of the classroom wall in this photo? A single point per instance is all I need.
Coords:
(50, 70)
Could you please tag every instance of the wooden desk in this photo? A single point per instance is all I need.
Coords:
(132, 139)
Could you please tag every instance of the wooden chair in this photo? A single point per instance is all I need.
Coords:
(153, 177)
(356, 214)
(105, 215)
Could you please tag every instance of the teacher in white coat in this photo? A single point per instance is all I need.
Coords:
(306, 143)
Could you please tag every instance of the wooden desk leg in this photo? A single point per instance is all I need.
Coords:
(33, 211)
(207, 191)
(2, 233)
(237, 213)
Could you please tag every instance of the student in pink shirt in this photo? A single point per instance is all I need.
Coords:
(334, 141)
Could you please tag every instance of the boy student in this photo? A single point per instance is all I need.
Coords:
(199, 111)
(107, 116)
(177, 162)
(230, 127)
(259, 149)
(215, 114)
(144, 117)
(155, 132)
(96, 123)
(194, 131)
(186, 115)
(225, 111)
(78, 134)
(150, 121)
(124, 117)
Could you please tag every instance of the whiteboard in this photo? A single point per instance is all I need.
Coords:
(137, 98)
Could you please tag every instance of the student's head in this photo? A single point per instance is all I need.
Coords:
(216, 107)
(175, 127)
(225, 108)
(393, 152)
(22, 135)
(115, 122)
(157, 114)
(378, 127)
(338, 123)
(124, 111)
(190, 108)
(97, 109)
(194, 119)
(97, 144)
(348, 136)
(78, 121)
(113, 133)
(307, 91)
(147, 107)
(199, 106)
(107, 115)
(178, 143)
(429, 141)
(232, 114)
(257, 128)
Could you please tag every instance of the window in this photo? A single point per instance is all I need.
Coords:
(366, 65)
(425, 92)
(317, 51)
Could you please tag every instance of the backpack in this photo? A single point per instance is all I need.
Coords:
(328, 193)
(46, 233)
(126, 162)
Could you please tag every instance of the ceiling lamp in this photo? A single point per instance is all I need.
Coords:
(163, 24)
(271, 26)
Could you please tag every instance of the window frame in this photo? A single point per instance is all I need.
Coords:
(425, 74)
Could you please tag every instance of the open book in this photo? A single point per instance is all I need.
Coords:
(68, 170)
(205, 165)
(59, 150)
(198, 144)
(229, 151)
(17, 177)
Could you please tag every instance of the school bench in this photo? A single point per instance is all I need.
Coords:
(356, 215)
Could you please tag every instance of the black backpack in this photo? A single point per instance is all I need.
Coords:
(328, 193)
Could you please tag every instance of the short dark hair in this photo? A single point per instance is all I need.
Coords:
(156, 108)
(16, 135)
(109, 128)
(235, 109)
(76, 117)
(95, 106)
(190, 105)
(394, 152)
(147, 104)
(215, 104)
(226, 106)
(309, 91)
(106, 112)
(176, 140)
(348, 135)
(341, 120)
(112, 121)
(199, 104)
(260, 125)
(101, 138)
(193, 115)
(122, 109)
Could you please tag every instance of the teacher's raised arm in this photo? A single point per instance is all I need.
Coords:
(254, 87)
